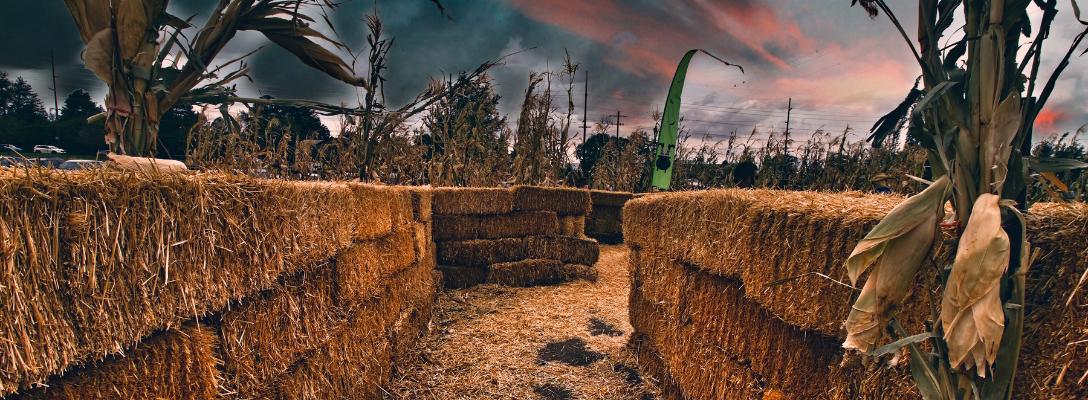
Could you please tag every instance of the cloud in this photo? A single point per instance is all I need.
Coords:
(1049, 118)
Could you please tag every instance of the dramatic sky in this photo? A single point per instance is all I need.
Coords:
(838, 66)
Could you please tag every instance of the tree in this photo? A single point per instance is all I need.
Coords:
(128, 41)
(302, 121)
(174, 130)
(18, 100)
(78, 104)
(974, 120)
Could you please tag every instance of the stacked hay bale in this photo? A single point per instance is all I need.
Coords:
(605, 221)
(125, 285)
(522, 236)
(709, 324)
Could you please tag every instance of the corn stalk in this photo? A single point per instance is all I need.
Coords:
(973, 119)
(130, 46)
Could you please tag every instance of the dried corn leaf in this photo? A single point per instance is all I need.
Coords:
(131, 27)
(902, 219)
(91, 16)
(971, 312)
(99, 55)
(887, 285)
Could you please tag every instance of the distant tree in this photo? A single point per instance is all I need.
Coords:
(472, 112)
(18, 99)
(174, 130)
(78, 104)
(302, 121)
(590, 152)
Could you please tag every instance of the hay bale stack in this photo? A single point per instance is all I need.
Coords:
(137, 253)
(180, 363)
(517, 224)
(605, 221)
(521, 236)
(562, 201)
(701, 264)
(99, 261)
(471, 201)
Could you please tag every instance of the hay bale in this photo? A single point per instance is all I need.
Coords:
(536, 272)
(606, 212)
(115, 240)
(372, 209)
(760, 236)
(476, 201)
(37, 337)
(401, 206)
(458, 277)
(560, 200)
(1054, 353)
(572, 225)
(357, 362)
(421, 202)
(265, 335)
(566, 249)
(518, 224)
(361, 268)
(714, 341)
(609, 199)
(415, 320)
(481, 253)
(180, 363)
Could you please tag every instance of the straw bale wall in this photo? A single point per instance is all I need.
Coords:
(701, 264)
(179, 363)
(605, 220)
(109, 273)
(522, 236)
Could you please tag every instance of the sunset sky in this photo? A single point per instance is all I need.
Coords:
(838, 66)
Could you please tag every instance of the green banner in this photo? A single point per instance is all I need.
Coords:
(665, 151)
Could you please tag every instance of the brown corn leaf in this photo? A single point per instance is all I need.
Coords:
(131, 27)
(91, 16)
(99, 55)
(887, 285)
(971, 312)
(997, 137)
(902, 219)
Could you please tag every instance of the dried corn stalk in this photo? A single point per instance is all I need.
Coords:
(974, 122)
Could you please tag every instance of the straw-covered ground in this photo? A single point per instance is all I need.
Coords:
(547, 342)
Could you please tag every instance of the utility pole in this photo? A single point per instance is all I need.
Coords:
(618, 123)
(585, 109)
(56, 103)
(789, 107)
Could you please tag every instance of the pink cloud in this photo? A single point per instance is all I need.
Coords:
(661, 39)
(1049, 118)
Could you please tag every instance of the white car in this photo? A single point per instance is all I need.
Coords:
(43, 148)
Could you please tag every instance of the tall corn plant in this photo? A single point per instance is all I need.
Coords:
(129, 44)
(973, 118)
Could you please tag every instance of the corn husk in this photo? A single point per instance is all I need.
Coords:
(902, 219)
(971, 314)
(892, 275)
(99, 54)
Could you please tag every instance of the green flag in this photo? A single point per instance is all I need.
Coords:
(665, 152)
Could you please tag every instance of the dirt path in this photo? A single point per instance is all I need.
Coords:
(551, 342)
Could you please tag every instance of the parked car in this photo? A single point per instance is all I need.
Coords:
(73, 165)
(10, 162)
(9, 147)
(44, 148)
(103, 154)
